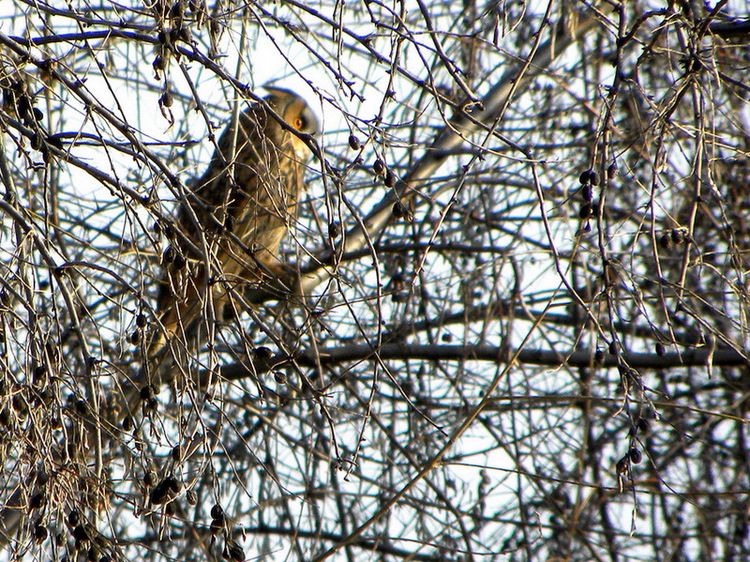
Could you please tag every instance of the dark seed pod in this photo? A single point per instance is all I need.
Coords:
(80, 534)
(40, 532)
(622, 464)
(334, 230)
(173, 484)
(160, 63)
(235, 552)
(586, 211)
(38, 500)
(584, 177)
(169, 255)
(665, 241)
(159, 494)
(378, 167)
(354, 143)
(612, 170)
(185, 35)
(23, 108)
(140, 320)
(81, 407)
(56, 141)
(635, 455)
(262, 352)
(73, 518)
(217, 525)
(179, 262)
(147, 392)
(166, 99)
(38, 114)
(127, 423)
(660, 350)
(399, 210)
(176, 453)
(643, 425)
(390, 178)
(134, 337)
(168, 230)
(593, 177)
(217, 511)
(613, 348)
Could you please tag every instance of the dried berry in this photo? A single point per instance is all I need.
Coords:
(38, 500)
(354, 143)
(378, 167)
(399, 210)
(635, 455)
(80, 534)
(263, 352)
(162, 491)
(235, 552)
(586, 211)
(166, 99)
(390, 179)
(40, 532)
(160, 63)
(169, 255)
(217, 525)
(147, 392)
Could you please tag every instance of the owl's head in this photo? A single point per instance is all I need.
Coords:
(297, 114)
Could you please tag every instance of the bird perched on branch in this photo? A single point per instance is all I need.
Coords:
(233, 219)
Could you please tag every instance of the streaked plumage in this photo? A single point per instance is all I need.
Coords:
(238, 213)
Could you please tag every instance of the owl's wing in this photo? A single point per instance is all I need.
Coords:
(236, 215)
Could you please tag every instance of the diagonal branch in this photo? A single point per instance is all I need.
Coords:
(455, 133)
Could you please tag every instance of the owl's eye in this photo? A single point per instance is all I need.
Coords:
(299, 123)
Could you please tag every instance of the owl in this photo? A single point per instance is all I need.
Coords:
(230, 224)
